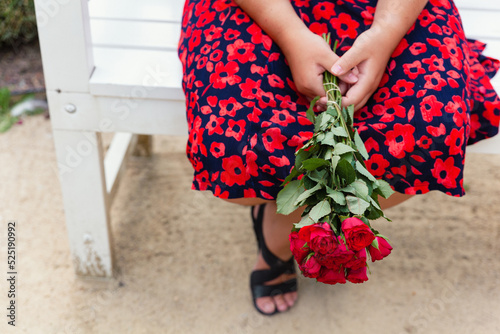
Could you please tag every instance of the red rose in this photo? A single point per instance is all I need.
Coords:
(342, 254)
(328, 261)
(329, 276)
(383, 250)
(358, 235)
(297, 247)
(319, 237)
(358, 260)
(357, 276)
(310, 267)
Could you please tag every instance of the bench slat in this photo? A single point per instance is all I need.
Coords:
(146, 74)
(135, 34)
(478, 4)
(143, 10)
(481, 24)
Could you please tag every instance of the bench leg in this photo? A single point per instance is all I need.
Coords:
(80, 162)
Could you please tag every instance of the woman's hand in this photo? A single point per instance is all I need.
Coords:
(308, 56)
(372, 49)
(307, 53)
(369, 54)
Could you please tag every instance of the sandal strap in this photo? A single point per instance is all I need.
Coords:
(259, 277)
(272, 260)
(260, 290)
(278, 267)
(257, 222)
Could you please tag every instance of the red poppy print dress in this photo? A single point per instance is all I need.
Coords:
(246, 118)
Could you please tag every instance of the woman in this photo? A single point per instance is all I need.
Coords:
(252, 66)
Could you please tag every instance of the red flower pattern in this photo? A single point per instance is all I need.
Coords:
(246, 118)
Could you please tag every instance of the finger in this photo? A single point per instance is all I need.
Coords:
(321, 103)
(358, 94)
(331, 58)
(355, 71)
(342, 67)
(343, 87)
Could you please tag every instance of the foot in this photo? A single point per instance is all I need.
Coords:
(276, 238)
(279, 302)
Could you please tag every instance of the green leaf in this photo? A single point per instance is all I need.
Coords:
(341, 148)
(287, 197)
(363, 171)
(375, 204)
(328, 154)
(310, 113)
(330, 110)
(384, 188)
(6, 122)
(337, 196)
(350, 112)
(356, 205)
(305, 221)
(300, 156)
(360, 145)
(306, 194)
(335, 160)
(293, 174)
(340, 131)
(375, 243)
(346, 171)
(349, 189)
(320, 210)
(308, 182)
(322, 121)
(4, 100)
(318, 175)
(373, 213)
(314, 163)
(329, 139)
(361, 188)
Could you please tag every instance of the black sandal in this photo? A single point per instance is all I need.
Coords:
(258, 278)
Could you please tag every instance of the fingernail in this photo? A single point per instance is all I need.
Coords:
(336, 69)
(352, 77)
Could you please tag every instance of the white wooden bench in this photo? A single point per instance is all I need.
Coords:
(111, 66)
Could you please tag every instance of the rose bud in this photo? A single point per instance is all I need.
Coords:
(298, 247)
(384, 249)
(358, 235)
(357, 276)
(358, 260)
(322, 239)
(330, 276)
(310, 267)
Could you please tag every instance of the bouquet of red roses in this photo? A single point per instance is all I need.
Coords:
(334, 238)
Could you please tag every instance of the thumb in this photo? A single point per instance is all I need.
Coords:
(332, 58)
(343, 66)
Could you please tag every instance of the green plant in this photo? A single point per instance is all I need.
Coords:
(6, 105)
(17, 22)
(6, 120)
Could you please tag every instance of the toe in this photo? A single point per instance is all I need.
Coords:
(281, 304)
(290, 298)
(265, 304)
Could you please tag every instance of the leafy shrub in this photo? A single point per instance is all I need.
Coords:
(17, 22)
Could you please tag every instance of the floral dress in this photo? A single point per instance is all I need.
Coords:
(246, 118)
